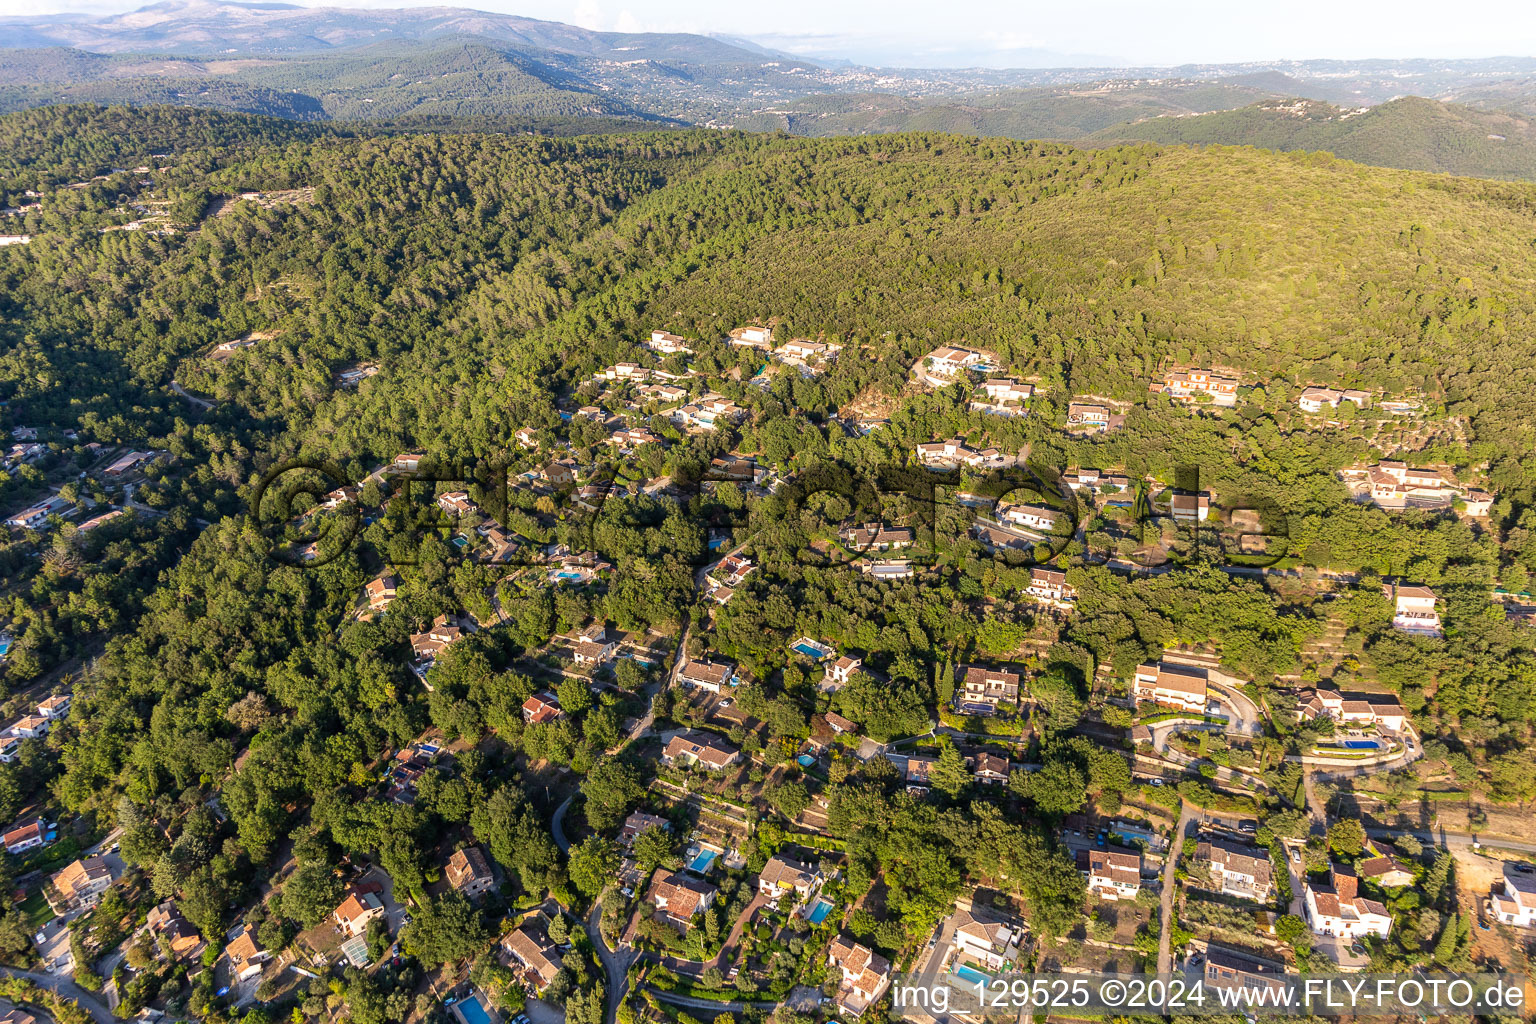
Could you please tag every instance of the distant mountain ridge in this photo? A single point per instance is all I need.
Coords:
(208, 27)
(454, 67)
(1411, 133)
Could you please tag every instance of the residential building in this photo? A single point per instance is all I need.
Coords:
(361, 906)
(528, 945)
(631, 438)
(541, 708)
(594, 647)
(1228, 968)
(31, 727)
(1396, 485)
(1516, 903)
(712, 676)
(920, 772)
(983, 690)
(1237, 869)
(1316, 399)
(944, 453)
(381, 592)
(1049, 586)
(245, 956)
(678, 897)
(840, 672)
(990, 769)
(1037, 518)
(838, 724)
(10, 746)
(55, 707)
(1095, 482)
(732, 571)
(876, 537)
(782, 875)
(637, 822)
(1114, 874)
(443, 631)
(173, 930)
(889, 569)
(625, 371)
(1379, 709)
(21, 838)
(1385, 872)
(1182, 687)
(36, 517)
(408, 462)
(986, 936)
(667, 344)
(106, 517)
(1339, 909)
(81, 884)
(1002, 397)
(865, 975)
(470, 873)
(130, 462)
(1414, 608)
(457, 503)
(1088, 417)
(802, 352)
(1189, 506)
(1194, 385)
(752, 337)
(950, 361)
(704, 749)
(559, 473)
(527, 437)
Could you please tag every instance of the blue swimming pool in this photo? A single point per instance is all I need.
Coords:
(702, 861)
(966, 972)
(806, 649)
(806, 760)
(460, 542)
(1361, 744)
(473, 1011)
(819, 912)
(566, 574)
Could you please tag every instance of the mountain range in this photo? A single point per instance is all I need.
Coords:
(494, 71)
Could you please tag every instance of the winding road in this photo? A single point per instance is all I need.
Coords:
(64, 985)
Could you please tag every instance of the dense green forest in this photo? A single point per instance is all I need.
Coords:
(489, 275)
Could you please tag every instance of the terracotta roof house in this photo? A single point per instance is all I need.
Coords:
(541, 708)
(55, 707)
(986, 935)
(983, 690)
(840, 672)
(782, 874)
(712, 676)
(1114, 874)
(637, 822)
(360, 907)
(166, 921)
(679, 897)
(380, 592)
(1515, 902)
(530, 948)
(840, 724)
(469, 872)
(705, 749)
(245, 957)
(1177, 686)
(1386, 872)
(443, 631)
(1340, 910)
(865, 975)
(991, 769)
(26, 837)
(78, 885)
(1237, 869)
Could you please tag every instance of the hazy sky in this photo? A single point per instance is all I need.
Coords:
(999, 33)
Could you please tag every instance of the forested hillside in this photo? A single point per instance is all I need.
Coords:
(1413, 133)
(488, 277)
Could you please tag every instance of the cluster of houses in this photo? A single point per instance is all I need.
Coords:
(955, 452)
(1369, 710)
(34, 726)
(1395, 486)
